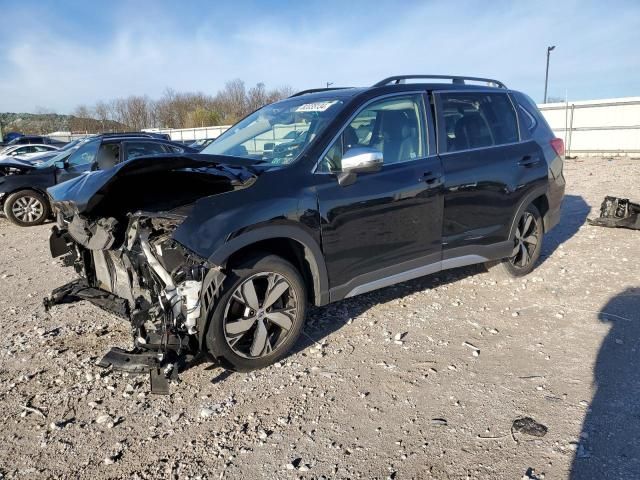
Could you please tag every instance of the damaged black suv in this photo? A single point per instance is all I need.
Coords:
(322, 196)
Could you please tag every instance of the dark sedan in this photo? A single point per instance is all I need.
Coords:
(23, 184)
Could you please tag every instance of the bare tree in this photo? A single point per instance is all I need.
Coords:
(177, 110)
(102, 112)
(80, 119)
(233, 101)
(48, 123)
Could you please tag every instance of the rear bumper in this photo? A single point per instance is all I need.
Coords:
(555, 196)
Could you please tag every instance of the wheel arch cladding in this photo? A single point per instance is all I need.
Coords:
(537, 197)
(293, 244)
(542, 204)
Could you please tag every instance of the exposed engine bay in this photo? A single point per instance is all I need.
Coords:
(130, 265)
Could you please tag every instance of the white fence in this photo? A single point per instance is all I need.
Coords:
(600, 127)
(610, 126)
(588, 127)
(187, 134)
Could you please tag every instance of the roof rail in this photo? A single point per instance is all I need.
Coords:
(125, 134)
(315, 90)
(456, 79)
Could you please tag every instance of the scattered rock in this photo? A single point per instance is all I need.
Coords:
(103, 419)
(529, 426)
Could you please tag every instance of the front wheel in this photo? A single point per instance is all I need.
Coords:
(26, 208)
(259, 314)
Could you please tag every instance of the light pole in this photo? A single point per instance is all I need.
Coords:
(546, 75)
(329, 84)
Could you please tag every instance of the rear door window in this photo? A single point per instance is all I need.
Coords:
(140, 149)
(476, 120)
(42, 148)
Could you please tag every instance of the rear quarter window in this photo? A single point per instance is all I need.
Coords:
(533, 123)
(476, 120)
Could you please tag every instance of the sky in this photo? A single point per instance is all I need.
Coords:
(56, 55)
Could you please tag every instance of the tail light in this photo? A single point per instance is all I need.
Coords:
(558, 145)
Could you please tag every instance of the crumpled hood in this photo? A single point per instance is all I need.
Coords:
(86, 191)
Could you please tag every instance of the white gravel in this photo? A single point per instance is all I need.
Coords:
(390, 384)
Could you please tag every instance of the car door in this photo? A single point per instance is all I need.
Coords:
(388, 222)
(488, 171)
(79, 162)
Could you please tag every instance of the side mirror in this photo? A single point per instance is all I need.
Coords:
(61, 164)
(359, 160)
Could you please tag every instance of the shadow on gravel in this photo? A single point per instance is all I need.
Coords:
(322, 321)
(573, 215)
(610, 440)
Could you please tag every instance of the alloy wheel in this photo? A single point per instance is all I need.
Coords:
(259, 315)
(27, 209)
(526, 241)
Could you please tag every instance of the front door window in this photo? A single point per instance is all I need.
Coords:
(394, 126)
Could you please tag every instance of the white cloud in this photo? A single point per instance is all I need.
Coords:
(596, 54)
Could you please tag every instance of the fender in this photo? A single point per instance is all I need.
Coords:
(526, 201)
(312, 253)
(213, 281)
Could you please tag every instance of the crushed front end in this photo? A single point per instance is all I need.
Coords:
(129, 264)
(148, 278)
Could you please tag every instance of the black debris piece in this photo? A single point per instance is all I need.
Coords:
(79, 290)
(618, 213)
(529, 426)
(137, 361)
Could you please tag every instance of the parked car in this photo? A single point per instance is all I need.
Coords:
(201, 143)
(37, 158)
(222, 252)
(33, 139)
(26, 151)
(9, 136)
(23, 184)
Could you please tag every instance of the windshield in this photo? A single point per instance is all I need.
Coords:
(278, 133)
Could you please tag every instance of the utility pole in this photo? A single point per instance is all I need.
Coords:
(546, 75)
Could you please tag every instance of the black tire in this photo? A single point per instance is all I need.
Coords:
(222, 331)
(27, 208)
(525, 254)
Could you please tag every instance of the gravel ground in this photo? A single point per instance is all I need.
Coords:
(421, 380)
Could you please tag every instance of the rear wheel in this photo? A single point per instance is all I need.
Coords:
(259, 315)
(26, 208)
(527, 244)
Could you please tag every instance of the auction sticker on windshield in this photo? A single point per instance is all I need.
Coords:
(316, 106)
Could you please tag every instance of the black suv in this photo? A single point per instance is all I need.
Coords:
(222, 252)
(23, 183)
